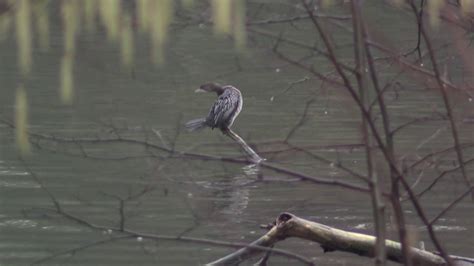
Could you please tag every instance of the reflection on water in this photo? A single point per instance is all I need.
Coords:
(232, 191)
(238, 192)
(237, 197)
(251, 170)
(18, 223)
(11, 177)
(449, 228)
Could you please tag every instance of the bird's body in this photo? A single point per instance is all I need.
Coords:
(224, 110)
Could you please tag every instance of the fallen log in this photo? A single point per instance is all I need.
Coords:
(332, 239)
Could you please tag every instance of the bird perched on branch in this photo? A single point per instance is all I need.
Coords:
(224, 110)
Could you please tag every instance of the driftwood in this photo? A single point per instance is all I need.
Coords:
(332, 239)
(253, 156)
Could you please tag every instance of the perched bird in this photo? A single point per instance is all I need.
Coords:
(224, 110)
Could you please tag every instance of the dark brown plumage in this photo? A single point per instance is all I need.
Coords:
(224, 110)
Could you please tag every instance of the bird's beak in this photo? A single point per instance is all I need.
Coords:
(199, 90)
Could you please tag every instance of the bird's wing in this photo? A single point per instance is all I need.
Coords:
(222, 109)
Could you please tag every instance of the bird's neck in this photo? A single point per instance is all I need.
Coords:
(219, 90)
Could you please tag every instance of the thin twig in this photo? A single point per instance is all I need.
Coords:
(447, 104)
(450, 206)
(300, 122)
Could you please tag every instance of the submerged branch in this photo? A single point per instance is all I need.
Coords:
(254, 157)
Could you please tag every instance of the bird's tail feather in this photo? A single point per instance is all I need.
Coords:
(195, 124)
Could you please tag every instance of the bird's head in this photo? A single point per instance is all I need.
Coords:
(211, 87)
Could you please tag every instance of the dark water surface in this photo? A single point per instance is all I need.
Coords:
(204, 198)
